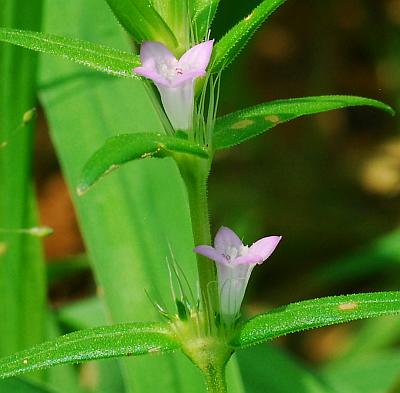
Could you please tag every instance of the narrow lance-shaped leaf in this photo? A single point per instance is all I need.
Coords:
(316, 313)
(121, 149)
(129, 339)
(101, 58)
(240, 126)
(236, 38)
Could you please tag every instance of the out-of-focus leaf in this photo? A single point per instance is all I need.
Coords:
(266, 368)
(382, 254)
(102, 377)
(61, 269)
(130, 339)
(230, 45)
(376, 373)
(105, 376)
(316, 313)
(22, 275)
(121, 149)
(240, 126)
(369, 337)
(83, 314)
(101, 58)
(233, 376)
(140, 18)
(20, 385)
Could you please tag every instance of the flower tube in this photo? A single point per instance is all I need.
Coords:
(235, 262)
(175, 78)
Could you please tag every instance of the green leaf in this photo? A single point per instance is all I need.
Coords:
(316, 313)
(101, 58)
(375, 373)
(83, 314)
(129, 339)
(65, 268)
(370, 337)
(203, 15)
(268, 368)
(22, 274)
(229, 46)
(176, 14)
(65, 377)
(240, 126)
(380, 255)
(121, 149)
(140, 19)
(24, 386)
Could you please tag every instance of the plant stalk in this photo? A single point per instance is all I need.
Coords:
(195, 173)
(215, 379)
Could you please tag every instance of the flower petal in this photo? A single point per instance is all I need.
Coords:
(186, 76)
(152, 53)
(178, 103)
(211, 253)
(248, 259)
(232, 283)
(152, 74)
(198, 57)
(225, 239)
(265, 247)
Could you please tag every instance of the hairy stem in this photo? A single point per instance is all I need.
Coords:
(215, 379)
(195, 173)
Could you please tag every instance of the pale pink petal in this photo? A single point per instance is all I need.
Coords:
(211, 253)
(225, 239)
(153, 75)
(152, 53)
(248, 259)
(187, 75)
(265, 247)
(198, 57)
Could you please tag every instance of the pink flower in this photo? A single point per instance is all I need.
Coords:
(175, 78)
(235, 262)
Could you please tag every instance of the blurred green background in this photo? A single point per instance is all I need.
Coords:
(330, 184)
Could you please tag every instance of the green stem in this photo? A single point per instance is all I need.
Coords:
(215, 379)
(195, 173)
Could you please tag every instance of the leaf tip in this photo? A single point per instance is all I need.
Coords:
(391, 111)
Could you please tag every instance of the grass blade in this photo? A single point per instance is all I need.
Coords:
(22, 276)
